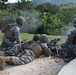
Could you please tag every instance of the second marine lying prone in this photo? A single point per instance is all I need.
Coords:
(30, 50)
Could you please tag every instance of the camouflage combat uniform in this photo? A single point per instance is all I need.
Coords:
(11, 45)
(23, 58)
(16, 30)
(31, 50)
(12, 33)
(11, 37)
(69, 47)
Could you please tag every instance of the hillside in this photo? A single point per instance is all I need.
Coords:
(37, 2)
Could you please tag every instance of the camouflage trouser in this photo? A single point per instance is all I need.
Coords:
(2, 53)
(24, 57)
(11, 51)
(70, 49)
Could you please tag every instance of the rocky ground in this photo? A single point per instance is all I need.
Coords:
(40, 66)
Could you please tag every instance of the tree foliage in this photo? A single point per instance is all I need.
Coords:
(44, 18)
(24, 5)
(3, 4)
(48, 7)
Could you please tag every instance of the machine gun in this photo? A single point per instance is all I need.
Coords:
(53, 46)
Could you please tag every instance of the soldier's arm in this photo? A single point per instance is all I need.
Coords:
(16, 31)
(17, 36)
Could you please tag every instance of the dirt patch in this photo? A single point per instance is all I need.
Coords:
(40, 66)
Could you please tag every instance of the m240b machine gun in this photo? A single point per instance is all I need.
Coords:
(53, 46)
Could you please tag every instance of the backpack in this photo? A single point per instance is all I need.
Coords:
(9, 34)
(3, 30)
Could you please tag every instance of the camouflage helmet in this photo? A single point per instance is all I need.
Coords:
(36, 37)
(44, 38)
(74, 22)
(20, 20)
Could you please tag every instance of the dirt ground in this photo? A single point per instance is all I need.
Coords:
(40, 66)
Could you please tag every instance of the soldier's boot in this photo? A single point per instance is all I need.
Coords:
(3, 60)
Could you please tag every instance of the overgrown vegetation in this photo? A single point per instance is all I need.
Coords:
(42, 19)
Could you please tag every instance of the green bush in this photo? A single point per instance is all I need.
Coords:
(48, 32)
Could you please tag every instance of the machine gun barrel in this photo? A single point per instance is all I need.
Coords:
(53, 42)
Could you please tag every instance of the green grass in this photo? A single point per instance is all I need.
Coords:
(22, 35)
(25, 36)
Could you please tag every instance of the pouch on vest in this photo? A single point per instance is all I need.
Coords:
(3, 30)
(36, 48)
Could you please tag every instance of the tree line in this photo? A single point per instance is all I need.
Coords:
(46, 18)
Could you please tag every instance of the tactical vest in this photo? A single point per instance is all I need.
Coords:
(26, 43)
(9, 34)
(36, 48)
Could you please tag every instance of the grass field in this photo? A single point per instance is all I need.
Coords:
(25, 36)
